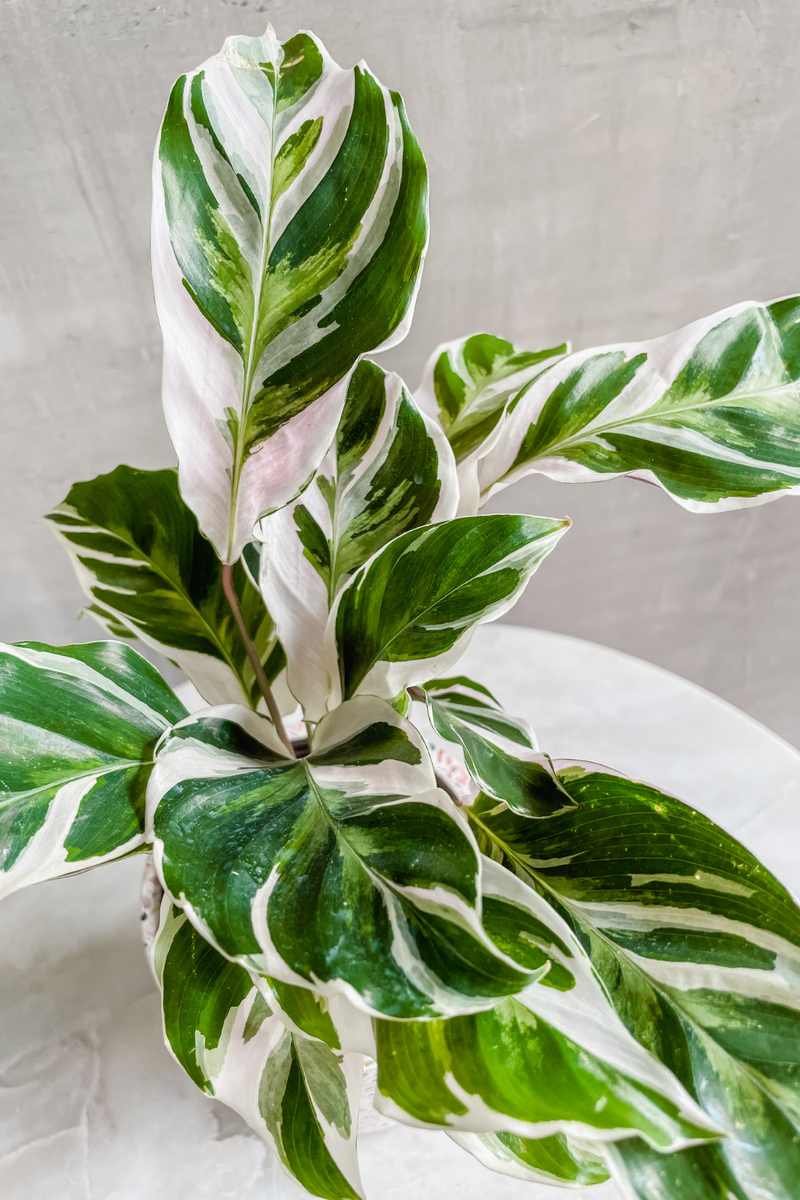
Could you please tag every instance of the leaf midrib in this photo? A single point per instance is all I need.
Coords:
(620, 952)
(653, 416)
(7, 800)
(176, 585)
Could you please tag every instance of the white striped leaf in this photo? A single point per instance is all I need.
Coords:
(289, 228)
(698, 947)
(141, 558)
(558, 1159)
(500, 752)
(295, 1092)
(389, 470)
(347, 871)
(467, 385)
(78, 728)
(412, 609)
(711, 413)
(555, 1059)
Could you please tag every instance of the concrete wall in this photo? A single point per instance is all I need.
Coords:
(600, 170)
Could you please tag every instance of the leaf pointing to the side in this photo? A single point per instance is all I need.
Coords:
(299, 1095)
(411, 610)
(711, 413)
(698, 947)
(139, 555)
(500, 751)
(78, 729)
(554, 1059)
(289, 228)
(389, 470)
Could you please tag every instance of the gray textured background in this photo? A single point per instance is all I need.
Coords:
(601, 170)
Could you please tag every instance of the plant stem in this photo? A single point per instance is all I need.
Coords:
(252, 654)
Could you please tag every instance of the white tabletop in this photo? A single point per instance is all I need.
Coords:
(92, 1107)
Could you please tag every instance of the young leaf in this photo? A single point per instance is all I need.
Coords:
(389, 470)
(141, 558)
(467, 385)
(289, 228)
(299, 1095)
(554, 1059)
(557, 1159)
(78, 727)
(347, 871)
(412, 609)
(710, 413)
(500, 751)
(698, 947)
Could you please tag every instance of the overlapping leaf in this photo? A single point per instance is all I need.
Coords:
(78, 728)
(289, 228)
(411, 610)
(347, 871)
(141, 559)
(555, 1059)
(389, 470)
(299, 1095)
(500, 751)
(468, 385)
(698, 947)
(711, 413)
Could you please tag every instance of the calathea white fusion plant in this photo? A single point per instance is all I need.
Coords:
(572, 975)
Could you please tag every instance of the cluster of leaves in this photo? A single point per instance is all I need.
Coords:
(574, 975)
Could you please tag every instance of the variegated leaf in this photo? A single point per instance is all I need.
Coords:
(556, 1059)
(141, 558)
(347, 871)
(698, 947)
(412, 609)
(389, 470)
(296, 1092)
(78, 728)
(468, 385)
(500, 752)
(710, 413)
(289, 228)
(559, 1160)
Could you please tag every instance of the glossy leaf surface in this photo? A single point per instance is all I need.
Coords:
(500, 752)
(389, 470)
(710, 413)
(347, 871)
(299, 1095)
(698, 947)
(78, 729)
(289, 228)
(141, 558)
(411, 610)
(557, 1159)
(554, 1059)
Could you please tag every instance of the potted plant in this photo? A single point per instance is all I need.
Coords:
(569, 971)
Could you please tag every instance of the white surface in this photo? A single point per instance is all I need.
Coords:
(92, 1107)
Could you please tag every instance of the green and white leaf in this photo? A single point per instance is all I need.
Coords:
(555, 1059)
(468, 385)
(698, 947)
(143, 562)
(289, 229)
(710, 413)
(389, 470)
(78, 729)
(297, 1093)
(557, 1160)
(347, 871)
(500, 752)
(410, 611)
